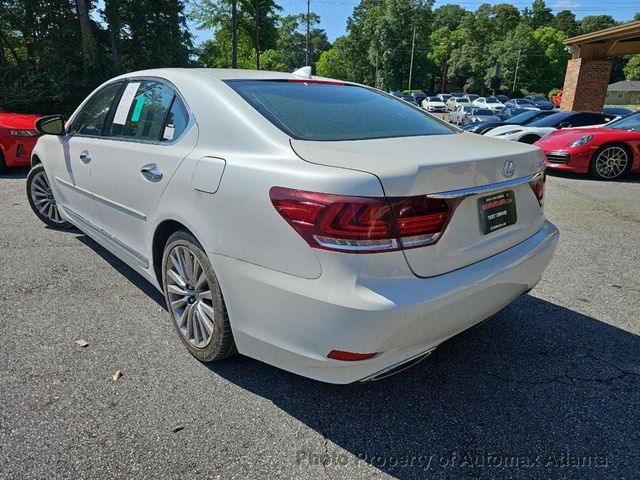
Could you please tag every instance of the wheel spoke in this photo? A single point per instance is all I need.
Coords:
(176, 290)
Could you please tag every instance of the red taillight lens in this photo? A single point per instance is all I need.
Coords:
(349, 356)
(361, 224)
(538, 189)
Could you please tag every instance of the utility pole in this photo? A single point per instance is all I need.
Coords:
(515, 75)
(306, 55)
(257, 35)
(445, 67)
(377, 83)
(234, 33)
(413, 46)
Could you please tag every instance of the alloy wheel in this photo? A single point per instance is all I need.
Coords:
(43, 198)
(611, 162)
(190, 297)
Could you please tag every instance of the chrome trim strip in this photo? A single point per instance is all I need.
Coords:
(100, 198)
(73, 187)
(493, 187)
(141, 259)
(119, 206)
(391, 369)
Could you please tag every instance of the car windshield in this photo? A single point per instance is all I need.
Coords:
(538, 98)
(632, 123)
(322, 111)
(483, 112)
(434, 99)
(492, 100)
(523, 117)
(552, 120)
(522, 101)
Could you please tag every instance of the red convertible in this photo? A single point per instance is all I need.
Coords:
(18, 136)
(607, 153)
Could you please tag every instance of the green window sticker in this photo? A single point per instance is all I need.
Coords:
(135, 116)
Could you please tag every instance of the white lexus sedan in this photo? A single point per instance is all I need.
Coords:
(320, 226)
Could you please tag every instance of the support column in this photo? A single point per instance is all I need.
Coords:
(585, 85)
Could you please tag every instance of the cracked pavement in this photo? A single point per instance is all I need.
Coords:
(549, 388)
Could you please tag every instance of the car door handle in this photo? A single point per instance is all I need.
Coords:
(151, 172)
(85, 157)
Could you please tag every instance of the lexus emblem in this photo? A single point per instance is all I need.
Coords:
(508, 168)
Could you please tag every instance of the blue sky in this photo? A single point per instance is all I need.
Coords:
(334, 13)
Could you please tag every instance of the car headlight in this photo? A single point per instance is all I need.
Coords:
(510, 132)
(25, 133)
(581, 141)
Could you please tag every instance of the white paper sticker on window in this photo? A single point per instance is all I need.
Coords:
(169, 131)
(120, 118)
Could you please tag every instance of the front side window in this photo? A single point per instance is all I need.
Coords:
(332, 112)
(91, 120)
(142, 111)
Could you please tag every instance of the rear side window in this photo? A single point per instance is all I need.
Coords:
(90, 121)
(331, 112)
(177, 121)
(142, 111)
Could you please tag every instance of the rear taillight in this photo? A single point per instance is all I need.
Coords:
(361, 224)
(538, 189)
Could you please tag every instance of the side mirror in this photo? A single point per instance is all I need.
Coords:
(564, 125)
(51, 125)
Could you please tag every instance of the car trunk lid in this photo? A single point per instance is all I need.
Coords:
(451, 164)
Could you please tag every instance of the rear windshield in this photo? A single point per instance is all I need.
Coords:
(331, 112)
(487, 112)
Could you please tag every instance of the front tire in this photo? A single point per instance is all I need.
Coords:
(41, 199)
(194, 299)
(610, 162)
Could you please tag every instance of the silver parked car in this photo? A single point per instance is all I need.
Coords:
(320, 226)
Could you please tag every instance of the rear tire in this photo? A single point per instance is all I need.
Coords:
(529, 139)
(194, 299)
(610, 162)
(41, 199)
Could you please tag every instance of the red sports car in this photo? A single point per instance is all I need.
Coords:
(18, 136)
(607, 152)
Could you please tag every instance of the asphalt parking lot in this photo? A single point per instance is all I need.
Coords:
(549, 388)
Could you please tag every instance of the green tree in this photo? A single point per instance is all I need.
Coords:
(539, 15)
(565, 21)
(593, 23)
(292, 40)
(448, 16)
(632, 68)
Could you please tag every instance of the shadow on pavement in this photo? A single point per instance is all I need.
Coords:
(125, 270)
(534, 386)
(629, 178)
(528, 394)
(14, 173)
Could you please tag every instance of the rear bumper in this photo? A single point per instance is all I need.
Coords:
(293, 323)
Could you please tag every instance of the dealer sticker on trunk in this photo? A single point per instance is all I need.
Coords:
(497, 211)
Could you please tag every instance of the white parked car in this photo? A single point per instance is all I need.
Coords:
(453, 102)
(460, 115)
(434, 104)
(544, 126)
(492, 103)
(316, 225)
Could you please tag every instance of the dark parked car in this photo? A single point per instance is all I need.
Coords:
(471, 96)
(396, 94)
(618, 111)
(540, 102)
(419, 96)
(524, 118)
(502, 98)
(478, 115)
(520, 103)
(410, 99)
